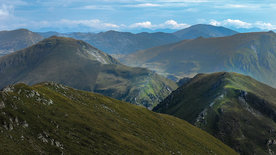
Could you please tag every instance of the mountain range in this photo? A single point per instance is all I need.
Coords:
(11, 41)
(112, 42)
(235, 108)
(80, 65)
(252, 54)
(120, 43)
(46, 116)
(50, 118)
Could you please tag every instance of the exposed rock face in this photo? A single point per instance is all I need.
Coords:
(235, 108)
(82, 66)
(2, 105)
(80, 122)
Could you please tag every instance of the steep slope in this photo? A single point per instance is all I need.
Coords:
(11, 41)
(252, 54)
(50, 118)
(235, 108)
(202, 30)
(79, 65)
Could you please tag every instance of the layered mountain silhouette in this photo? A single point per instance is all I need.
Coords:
(79, 65)
(11, 41)
(50, 118)
(235, 108)
(114, 42)
(120, 43)
(252, 54)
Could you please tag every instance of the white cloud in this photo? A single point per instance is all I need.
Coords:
(171, 24)
(215, 23)
(239, 6)
(265, 26)
(146, 24)
(96, 7)
(13, 2)
(174, 25)
(141, 5)
(165, 3)
(94, 23)
(191, 10)
(97, 25)
(177, 1)
(237, 23)
(6, 11)
(232, 23)
(241, 24)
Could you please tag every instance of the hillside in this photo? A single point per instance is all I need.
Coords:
(235, 108)
(79, 65)
(202, 30)
(50, 118)
(252, 54)
(11, 41)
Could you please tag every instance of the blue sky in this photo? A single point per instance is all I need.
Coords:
(135, 15)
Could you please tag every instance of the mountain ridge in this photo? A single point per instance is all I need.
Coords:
(50, 118)
(114, 42)
(14, 40)
(205, 31)
(80, 65)
(247, 53)
(233, 107)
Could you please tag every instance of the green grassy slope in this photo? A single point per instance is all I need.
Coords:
(79, 65)
(50, 118)
(135, 85)
(253, 54)
(235, 108)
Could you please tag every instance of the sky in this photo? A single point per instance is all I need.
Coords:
(135, 15)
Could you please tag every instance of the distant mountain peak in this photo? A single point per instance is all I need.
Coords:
(78, 47)
(22, 29)
(14, 40)
(77, 64)
(204, 30)
(248, 53)
(203, 25)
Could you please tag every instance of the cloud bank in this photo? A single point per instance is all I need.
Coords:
(235, 23)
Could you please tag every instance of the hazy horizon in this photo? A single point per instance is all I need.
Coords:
(135, 16)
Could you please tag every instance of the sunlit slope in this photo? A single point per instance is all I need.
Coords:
(49, 118)
(80, 65)
(235, 108)
(252, 54)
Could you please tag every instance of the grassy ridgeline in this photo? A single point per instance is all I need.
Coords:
(235, 108)
(51, 118)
